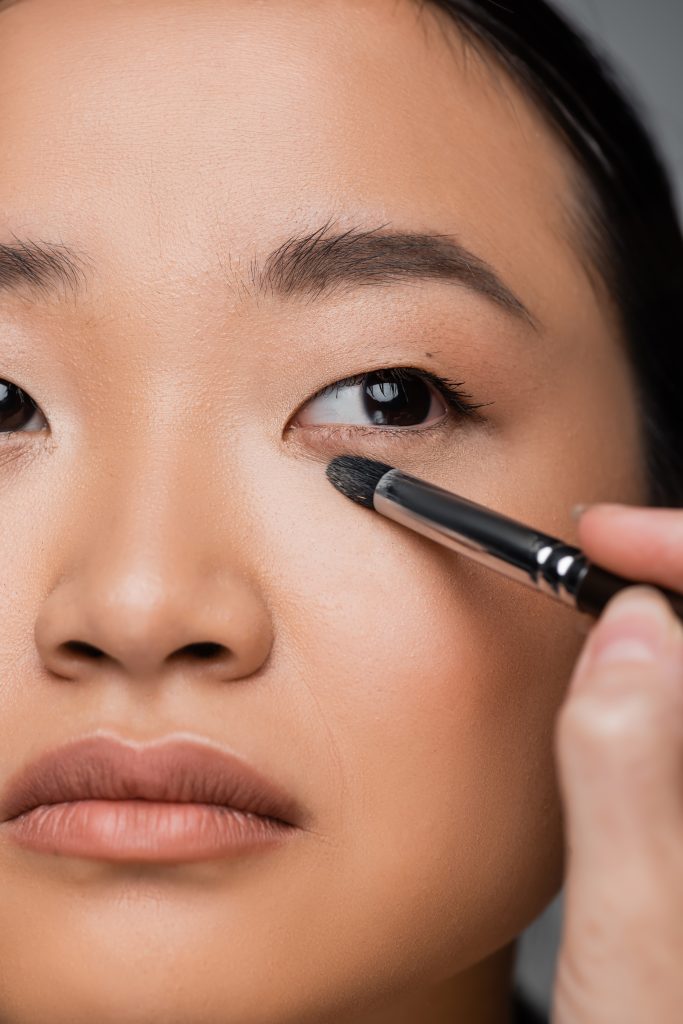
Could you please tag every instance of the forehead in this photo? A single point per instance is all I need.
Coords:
(247, 119)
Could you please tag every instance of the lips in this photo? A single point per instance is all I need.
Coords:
(179, 771)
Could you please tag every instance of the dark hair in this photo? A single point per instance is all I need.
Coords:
(630, 216)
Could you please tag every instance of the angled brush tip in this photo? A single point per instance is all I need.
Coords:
(356, 477)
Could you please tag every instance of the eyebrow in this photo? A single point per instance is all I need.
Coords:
(43, 266)
(310, 265)
(317, 263)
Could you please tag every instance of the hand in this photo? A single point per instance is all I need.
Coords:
(619, 747)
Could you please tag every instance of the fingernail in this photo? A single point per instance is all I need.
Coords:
(578, 510)
(634, 627)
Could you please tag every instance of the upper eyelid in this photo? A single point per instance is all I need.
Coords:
(354, 379)
(357, 378)
(450, 391)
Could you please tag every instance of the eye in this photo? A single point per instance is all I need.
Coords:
(17, 410)
(397, 397)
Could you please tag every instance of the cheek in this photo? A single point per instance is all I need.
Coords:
(438, 682)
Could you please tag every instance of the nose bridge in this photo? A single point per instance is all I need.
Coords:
(155, 480)
(156, 563)
(156, 439)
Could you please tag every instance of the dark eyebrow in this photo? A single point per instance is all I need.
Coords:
(309, 265)
(41, 265)
(317, 263)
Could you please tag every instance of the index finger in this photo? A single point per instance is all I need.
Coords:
(643, 544)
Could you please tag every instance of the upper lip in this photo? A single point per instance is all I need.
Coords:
(106, 768)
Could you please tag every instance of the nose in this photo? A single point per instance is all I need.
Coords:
(148, 600)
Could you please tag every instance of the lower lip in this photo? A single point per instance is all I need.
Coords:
(143, 830)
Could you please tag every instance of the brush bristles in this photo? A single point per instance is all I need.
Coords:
(356, 477)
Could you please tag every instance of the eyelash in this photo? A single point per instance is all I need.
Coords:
(450, 390)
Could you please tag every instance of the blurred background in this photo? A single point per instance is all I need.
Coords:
(643, 42)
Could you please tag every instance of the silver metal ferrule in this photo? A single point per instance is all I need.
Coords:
(505, 545)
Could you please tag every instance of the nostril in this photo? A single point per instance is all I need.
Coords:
(79, 647)
(203, 650)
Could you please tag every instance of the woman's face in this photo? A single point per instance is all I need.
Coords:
(171, 490)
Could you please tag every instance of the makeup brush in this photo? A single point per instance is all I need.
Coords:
(506, 545)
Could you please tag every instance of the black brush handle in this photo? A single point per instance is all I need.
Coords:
(599, 585)
(514, 549)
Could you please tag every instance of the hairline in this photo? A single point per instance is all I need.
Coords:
(581, 209)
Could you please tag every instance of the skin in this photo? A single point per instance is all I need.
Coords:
(404, 695)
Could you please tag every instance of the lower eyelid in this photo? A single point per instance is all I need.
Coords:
(341, 434)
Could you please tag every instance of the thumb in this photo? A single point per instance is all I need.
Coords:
(619, 746)
(619, 738)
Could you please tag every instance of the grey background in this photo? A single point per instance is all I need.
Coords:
(643, 40)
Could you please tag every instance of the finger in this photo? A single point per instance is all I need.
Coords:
(619, 738)
(644, 544)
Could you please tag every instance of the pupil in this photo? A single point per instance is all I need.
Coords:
(12, 415)
(389, 402)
